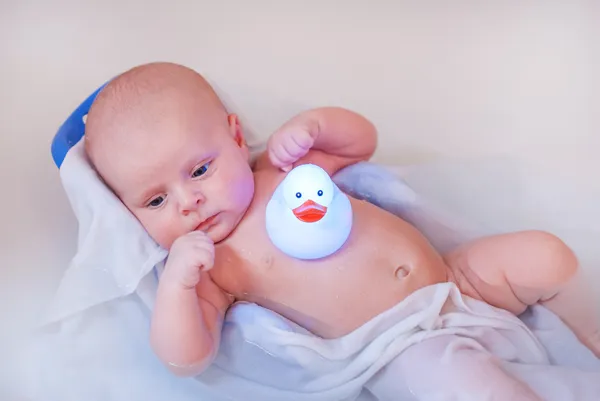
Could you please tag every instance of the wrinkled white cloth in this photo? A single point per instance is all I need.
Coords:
(104, 354)
(435, 325)
(94, 344)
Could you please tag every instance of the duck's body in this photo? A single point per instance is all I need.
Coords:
(308, 216)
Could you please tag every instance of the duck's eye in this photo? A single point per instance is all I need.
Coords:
(320, 192)
(298, 195)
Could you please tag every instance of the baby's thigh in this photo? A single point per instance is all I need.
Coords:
(448, 368)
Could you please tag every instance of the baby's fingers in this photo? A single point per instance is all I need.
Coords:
(295, 148)
(200, 237)
(204, 257)
(279, 156)
(286, 149)
(202, 249)
(302, 139)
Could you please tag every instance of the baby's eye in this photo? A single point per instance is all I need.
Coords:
(156, 202)
(200, 170)
(320, 192)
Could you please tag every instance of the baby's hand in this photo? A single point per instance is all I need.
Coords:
(290, 143)
(190, 254)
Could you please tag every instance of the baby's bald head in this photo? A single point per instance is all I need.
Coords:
(139, 101)
(143, 105)
(161, 139)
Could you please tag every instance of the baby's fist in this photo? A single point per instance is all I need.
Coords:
(290, 143)
(189, 255)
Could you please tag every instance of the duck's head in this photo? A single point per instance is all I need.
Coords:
(308, 192)
(308, 216)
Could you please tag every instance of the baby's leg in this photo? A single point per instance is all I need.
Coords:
(448, 368)
(513, 271)
(574, 304)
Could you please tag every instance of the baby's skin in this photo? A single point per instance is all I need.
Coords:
(162, 140)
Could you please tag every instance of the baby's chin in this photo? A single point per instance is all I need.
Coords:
(218, 233)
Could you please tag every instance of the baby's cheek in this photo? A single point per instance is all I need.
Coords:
(243, 190)
(164, 239)
(159, 229)
(238, 185)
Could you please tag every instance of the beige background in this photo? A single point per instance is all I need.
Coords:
(439, 79)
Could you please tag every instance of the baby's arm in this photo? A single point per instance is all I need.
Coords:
(330, 137)
(513, 271)
(189, 309)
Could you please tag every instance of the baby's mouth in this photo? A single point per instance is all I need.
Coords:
(206, 224)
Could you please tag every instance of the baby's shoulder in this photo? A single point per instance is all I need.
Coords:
(265, 183)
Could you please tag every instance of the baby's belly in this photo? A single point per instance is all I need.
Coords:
(384, 260)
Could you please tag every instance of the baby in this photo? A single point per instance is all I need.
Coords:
(162, 140)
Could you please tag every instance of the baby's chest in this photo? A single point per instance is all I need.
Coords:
(249, 266)
(248, 263)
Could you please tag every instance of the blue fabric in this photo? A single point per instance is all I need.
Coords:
(72, 130)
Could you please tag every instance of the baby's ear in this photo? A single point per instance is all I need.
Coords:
(235, 129)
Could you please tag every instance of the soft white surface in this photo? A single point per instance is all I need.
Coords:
(473, 78)
(264, 356)
(105, 354)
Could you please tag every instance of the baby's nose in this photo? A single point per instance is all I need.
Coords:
(190, 201)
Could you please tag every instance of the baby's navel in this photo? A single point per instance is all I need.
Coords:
(402, 271)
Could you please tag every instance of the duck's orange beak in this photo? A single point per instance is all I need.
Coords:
(310, 212)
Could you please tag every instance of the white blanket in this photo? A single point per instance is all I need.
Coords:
(95, 344)
(104, 354)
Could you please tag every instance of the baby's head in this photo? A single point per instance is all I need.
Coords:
(161, 139)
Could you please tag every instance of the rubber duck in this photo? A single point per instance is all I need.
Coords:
(308, 216)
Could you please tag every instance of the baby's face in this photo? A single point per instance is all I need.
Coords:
(191, 174)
